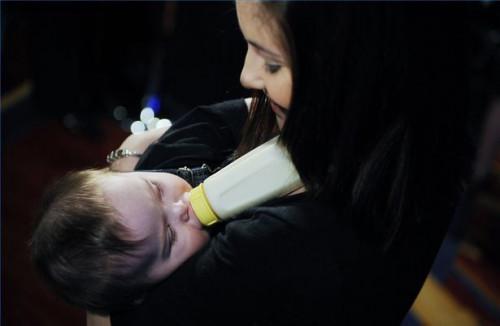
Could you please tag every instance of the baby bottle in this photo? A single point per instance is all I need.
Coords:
(265, 172)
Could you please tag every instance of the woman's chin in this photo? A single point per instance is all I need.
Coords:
(280, 122)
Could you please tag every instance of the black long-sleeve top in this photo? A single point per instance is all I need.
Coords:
(290, 261)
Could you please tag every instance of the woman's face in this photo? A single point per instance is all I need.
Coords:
(154, 207)
(266, 67)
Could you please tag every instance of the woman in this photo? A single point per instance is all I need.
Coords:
(369, 101)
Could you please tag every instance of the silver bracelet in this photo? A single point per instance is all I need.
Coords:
(121, 153)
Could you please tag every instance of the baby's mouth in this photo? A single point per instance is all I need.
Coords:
(191, 216)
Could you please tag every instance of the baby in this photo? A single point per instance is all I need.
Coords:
(104, 238)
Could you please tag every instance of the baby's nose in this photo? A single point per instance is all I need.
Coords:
(179, 211)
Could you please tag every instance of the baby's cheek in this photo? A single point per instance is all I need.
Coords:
(202, 239)
(205, 237)
(193, 239)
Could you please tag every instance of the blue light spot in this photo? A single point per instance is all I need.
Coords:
(153, 102)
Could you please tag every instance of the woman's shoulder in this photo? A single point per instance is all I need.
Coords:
(229, 115)
(227, 112)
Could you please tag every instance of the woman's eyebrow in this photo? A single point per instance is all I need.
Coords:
(263, 49)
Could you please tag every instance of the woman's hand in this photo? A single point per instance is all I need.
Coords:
(137, 143)
(96, 320)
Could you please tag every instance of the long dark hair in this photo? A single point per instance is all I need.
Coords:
(377, 119)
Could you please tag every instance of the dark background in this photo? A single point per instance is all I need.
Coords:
(85, 59)
(66, 67)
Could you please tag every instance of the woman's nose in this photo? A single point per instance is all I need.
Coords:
(250, 74)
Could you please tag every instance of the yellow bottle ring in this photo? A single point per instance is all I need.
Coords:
(201, 206)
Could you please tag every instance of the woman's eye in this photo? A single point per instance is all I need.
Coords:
(272, 68)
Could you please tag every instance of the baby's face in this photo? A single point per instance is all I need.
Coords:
(155, 207)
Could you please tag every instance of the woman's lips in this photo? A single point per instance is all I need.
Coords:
(278, 110)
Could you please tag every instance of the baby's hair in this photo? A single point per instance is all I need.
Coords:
(81, 249)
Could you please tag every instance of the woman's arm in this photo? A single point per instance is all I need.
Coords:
(205, 127)
(205, 135)
(234, 279)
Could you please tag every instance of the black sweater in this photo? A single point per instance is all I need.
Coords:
(291, 261)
